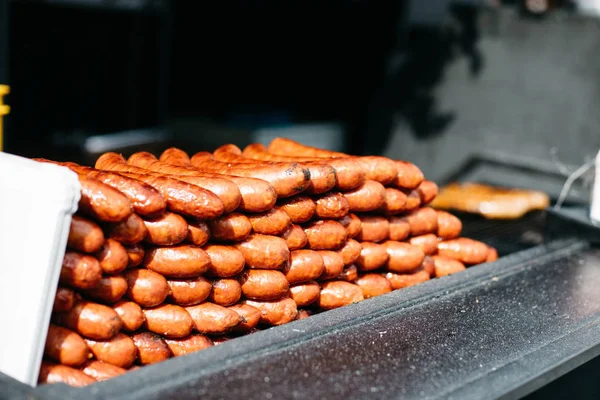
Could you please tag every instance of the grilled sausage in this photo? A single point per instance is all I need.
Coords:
(230, 227)
(325, 235)
(130, 313)
(446, 266)
(427, 190)
(101, 371)
(429, 266)
(226, 292)
(403, 257)
(225, 261)
(373, 285)
(167, 229)
(400, 281)
(212, 319)
(467, 251)
(145, 287)
(372, 256)
(109, 290)
(250, 317)
(368, 197)
(66, 346)
(113, 257)
(413, 200)
(422, 221)
(349, 274)
(373, 228)
(189, 292)
(189, 344)
(492, 255)
(331, 205)
(102, 202)
(305, 293)
(91, 320)
(64, 299)
(333, 264)
(168, 320)
(409, 175)
(350, 252)
(304, 265)
(427, 243)
(119, 350)
(129, 231)
(399, 229)
(395, 202)
(264, 252)
(276, 312)
(184, 261)
(198, 233)
(57, 373)
(336, 294)
(448, 226)
(80, 271)
(299, 208)
(295, 237)
(352, 224)
(151, 348)
(259, 284)
(84, 235)
(272, 222)
(135, 255)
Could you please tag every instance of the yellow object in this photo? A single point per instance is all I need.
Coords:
(4, 109)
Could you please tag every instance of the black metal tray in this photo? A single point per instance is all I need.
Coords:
(499, 330)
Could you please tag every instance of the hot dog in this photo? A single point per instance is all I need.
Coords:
(66, 346)
(287, 179)
(277, 312)
(413, 200)
(349, 174)
(333, 264)
(295, 237)
(336, 294)
(145, 287)
(350, 252)
(322, 175)
(372, 256)
(304, 265)
(151, 348)
(467, 251)
(305, 293)
(233, 227)
(422, 221)
(113, 257)
(373, 228)
(130, 313)
(225, 261)
(325, 235)
(446, 266)
(349, 274)
(399, 229)
(257, 194)
(427, 191)
(135, 255)
(400, 281)
(84, 235)
(264, 252)
(369, 196)
(189, 292)
(352, 224)
(198, 233)
(56, 373)
(449, 226)
(91, 320)
(119, 350)
(395, 202)
(168, 320)
(212, 319)
(102, 202)
(167, 229)
(64, 299)
(80, 271)
(226, 291)
(332, 205)
(130, 231)
(101, 371)
(409, 175)
(403, 257)
(428, 243)
(184, 261)
(272, 222)
(189, 344)
(373, 285)
(109, 290)
(299, 208)
(250, 316)
(264, 284)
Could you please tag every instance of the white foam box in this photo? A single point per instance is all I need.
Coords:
(37, 201)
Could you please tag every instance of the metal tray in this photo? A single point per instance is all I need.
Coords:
(499, 330)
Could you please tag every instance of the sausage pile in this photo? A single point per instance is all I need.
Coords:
(173, 255)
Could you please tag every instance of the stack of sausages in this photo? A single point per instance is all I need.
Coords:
(171, 255)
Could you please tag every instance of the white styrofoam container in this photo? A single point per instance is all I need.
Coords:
(37, 201)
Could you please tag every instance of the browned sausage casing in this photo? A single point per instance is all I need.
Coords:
(129, 231)
(91, 320)
(427, 190)
(295, 237)
(448, 226)
(226, 292)
(145, 287)
(409, 175)
(302, 314)
(373, 228)
(492, 255)
(232, 227)
(427, 243)
(304, 265)
(198, 233)
(276, 312)
(212, 319)
(103, 202)
(400, 281)
(399, 229)
(189, 344)
(166, 230)
(325, 235)
(306, 293)
(66, 346)
(264, 252)
(119, 350)
(225, 261)
(467, 251)
(84, 235)
(64, 299)
(101, 371)
(135, 255)
(151, 348)
(395, 202)
(184, 261)
(109, 290)
(349, 274)
(403, 257)
(350, 252)
(447, 266)
(333, 263)
(336, 294)
(299, 208)
(56, 373)
(373, 285)
(272, 222)
(189, 292)
(413, 200)
(332, 205)
(80, 271)
(352, 224)
(368, 197)
(250, 315)
(113, 257)
(168, 320)
(372, 256)
(429, 266)
(130, 313)
(422, 221)
(259, 284)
